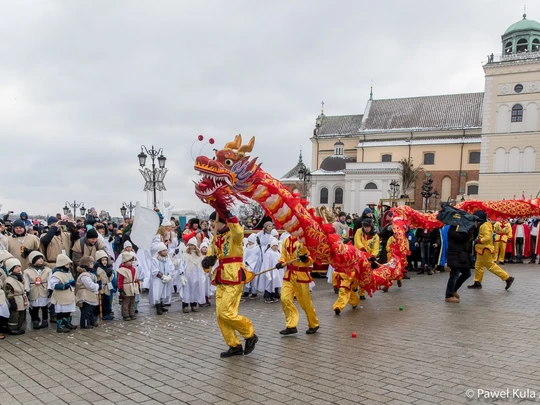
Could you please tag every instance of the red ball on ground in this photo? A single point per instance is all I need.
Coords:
(354, 334)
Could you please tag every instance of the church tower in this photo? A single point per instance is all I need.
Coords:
(510, 151)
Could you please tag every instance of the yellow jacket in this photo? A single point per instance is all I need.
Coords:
(228, 246)
(391, 240)
(370, 243)
(485, 239)
(292, 250)
(502, 232)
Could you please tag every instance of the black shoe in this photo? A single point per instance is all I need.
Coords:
(53, 318)
(509, 282)
(337, 311)
(71, 327)
(87, 327)
(288, 331)
(250, 344)
(406, 277)
(420, 272)
(384, 289)
(245, 295)
(399, 283)
(163, 309)
(311, 331)
(36, 325)
(44, 324)
(251, 297)
(62, 330)
(354, 306)
(159, 309)
(429, 272)
(362, 297)
(136, 311)
(233, 351)
(336, 290)
(127, 318)
(16, 332)
(532, 262)
(475, 286)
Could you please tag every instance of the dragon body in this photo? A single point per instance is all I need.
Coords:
(233, 175)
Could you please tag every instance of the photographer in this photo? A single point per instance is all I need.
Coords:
(57, 240)
(20, 244)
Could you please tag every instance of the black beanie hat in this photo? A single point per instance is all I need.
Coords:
(481, 215)
(18, 222)
(52, 220)
(214, 215)
(91, 234)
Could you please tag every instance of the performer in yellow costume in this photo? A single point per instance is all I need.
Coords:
(227, 247)
(367, 239)
(484, 254)
(503, 232)
(347, 286)
(296, 282)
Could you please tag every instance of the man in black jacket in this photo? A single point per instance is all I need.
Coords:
(459, 260)
(428, 242)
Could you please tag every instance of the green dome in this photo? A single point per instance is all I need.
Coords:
(523, 25)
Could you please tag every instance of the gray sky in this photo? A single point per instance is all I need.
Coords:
(84, 84)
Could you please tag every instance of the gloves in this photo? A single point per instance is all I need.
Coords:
(121, 291)
(304, 258)
(59, 286)
(183, 279)
(100, 285)
(108, 272)
(159, 275)
(209, 261)
(72, 283)
(67, 286)
(49, 294)
(279, 265)
(12, 304)
(176, 251)
(372, 259)
(25, 252)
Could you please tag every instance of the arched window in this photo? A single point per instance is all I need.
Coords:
(499, 160)
(535, 45)
(521, 45)
(429, 158)
(529, 156)
(446, 188)
(517, 113)
(386, 158)
(371, 186)
(508, 48)
(338, 196)
(474, 157)
(513, 160)
(472, 189)
(323, 196)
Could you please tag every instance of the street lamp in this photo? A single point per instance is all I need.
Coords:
(394, 189)
(304, 175)
(153, 177)
(435, 198)
(126, 207)
(74, 205)
(427, 191)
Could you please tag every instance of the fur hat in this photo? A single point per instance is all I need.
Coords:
(204, 244)
(274, 242)
(193, 241)
(100, 254)
(127, 257)
(86, 261)
(11, 263)
(252, 238)
(127, 243)
(4, 255)
(161, 246)
(274, 233)
(91, 234)
(34, 256)
(62, 260)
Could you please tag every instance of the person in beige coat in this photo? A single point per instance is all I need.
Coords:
(16, 296)
(36, 278)
(128, 286)
(88, 245)
(21, 243)
(62, 284)
(4, 307)
(86, 292)
(55, 241)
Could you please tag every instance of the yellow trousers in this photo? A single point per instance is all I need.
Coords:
(486, 260)
(500, 251)
(288, 290)
(227, 302)
(346, 294)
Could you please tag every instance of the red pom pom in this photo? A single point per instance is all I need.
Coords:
(200, 137)
(211, 141)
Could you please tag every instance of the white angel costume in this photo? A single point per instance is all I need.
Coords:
(194, 281)
(253, 259)
(274, 278)
(162, 273)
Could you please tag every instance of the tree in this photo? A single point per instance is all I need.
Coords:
(409, 175)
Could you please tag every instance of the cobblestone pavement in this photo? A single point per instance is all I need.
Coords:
(432, 352)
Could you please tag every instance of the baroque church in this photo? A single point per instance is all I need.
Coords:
(472, 146)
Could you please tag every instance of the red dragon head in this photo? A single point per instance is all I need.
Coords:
(227, 175)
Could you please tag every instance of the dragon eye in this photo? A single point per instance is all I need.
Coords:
(229, 162)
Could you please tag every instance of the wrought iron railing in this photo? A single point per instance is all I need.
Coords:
(512, 57)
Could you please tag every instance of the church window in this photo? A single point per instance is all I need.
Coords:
(535, 45)
(323, 196)
(517, 113)
(518, 88)
(508, 48)
(521, 45)
(371, 186)
(472, 189)
(386, 158)
(429, 158)
(474, 157)
(338, 196)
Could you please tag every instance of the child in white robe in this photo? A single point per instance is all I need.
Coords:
(193, 279)
(253, 259)
(274, 279)
(163, 272)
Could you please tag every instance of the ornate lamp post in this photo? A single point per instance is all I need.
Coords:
(394, 189)
(126, 207)
(427, 191)
(436, 197)
(154, 177)
(74, 205)
(304, 175)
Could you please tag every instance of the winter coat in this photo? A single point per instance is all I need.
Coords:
(459, 248)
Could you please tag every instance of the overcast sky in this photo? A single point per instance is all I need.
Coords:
(84, 83)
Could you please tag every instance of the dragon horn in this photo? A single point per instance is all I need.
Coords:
(247, 148)
(234, 145)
